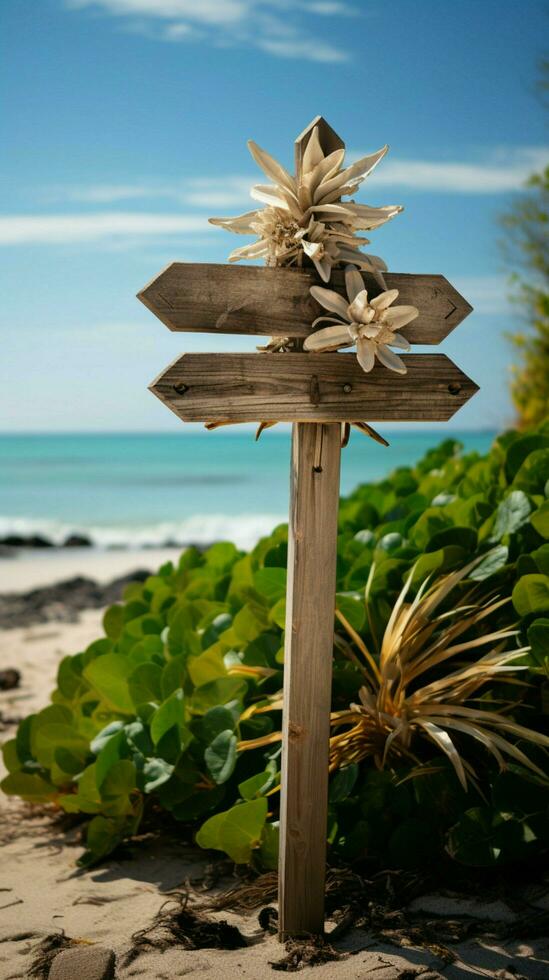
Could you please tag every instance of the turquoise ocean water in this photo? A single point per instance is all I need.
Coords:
(144, 490)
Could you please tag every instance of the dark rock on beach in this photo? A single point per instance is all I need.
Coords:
(62, 601)
(77, 541)
(9, 679)
(14, 541)
(31, 541)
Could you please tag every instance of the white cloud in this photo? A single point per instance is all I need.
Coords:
(280, 27)
(206, 192)
(329, 8)
(306, 48)
(203, 11)
(488, 295)
(55, 229)
(501, 171)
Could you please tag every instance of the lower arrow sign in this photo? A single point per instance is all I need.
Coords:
(310, 388)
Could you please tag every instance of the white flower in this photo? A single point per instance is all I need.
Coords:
(304, 214)
(370, 324)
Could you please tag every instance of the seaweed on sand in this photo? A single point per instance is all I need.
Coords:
(176, 924)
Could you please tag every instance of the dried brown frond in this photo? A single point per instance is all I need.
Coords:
(405, 698)
(423, 682)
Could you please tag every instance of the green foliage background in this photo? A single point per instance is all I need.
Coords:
(526, 247)
(150, 715)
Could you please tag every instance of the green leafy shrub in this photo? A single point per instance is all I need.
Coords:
(154, 714)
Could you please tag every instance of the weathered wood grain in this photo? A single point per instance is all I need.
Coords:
(310, 387)
(248, 299)
(314, 497)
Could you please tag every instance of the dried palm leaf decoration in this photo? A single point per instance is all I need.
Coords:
(304, 216)
(304, 221)
(425, 685)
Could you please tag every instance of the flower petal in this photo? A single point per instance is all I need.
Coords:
(241, 223)
(329, 338)
(366, 217)
(323, 267)
(371, 331)
(359, 307)
(353, 281)
(397, 340)
(330, 300)
(384, 300)
(378, 262)
(326, 168)
(347, 254)
(390, 359)
(314, 153)
(339, 209)
(357, 258)
(268, 194)
(252, 251)
(365, 352)
(325, 319)
(311, 249)
(271, 167)
(328, 197)
(399, 316)
(363, 167)
(360, 170)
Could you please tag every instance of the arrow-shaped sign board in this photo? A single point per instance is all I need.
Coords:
(250, 300)
(313, 390)
(310, 388)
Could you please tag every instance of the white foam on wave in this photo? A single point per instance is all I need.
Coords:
(244, 529)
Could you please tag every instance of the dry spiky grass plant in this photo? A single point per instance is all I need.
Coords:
(400, 703)
(406, 699)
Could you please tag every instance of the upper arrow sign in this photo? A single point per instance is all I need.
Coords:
(254, 300)
(310, 388)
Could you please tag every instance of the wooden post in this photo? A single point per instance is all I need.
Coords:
(308, 653)
(225, 388)
(314, 498)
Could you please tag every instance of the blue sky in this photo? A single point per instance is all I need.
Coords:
(125, 126)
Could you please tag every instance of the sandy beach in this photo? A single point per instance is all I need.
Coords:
(35, 568)
(42, 892)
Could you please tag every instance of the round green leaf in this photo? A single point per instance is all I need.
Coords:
(271, 582)
(170, 713)
(51, 737)
(108, 675)
(144, 683)
(156, 772)
(538, 639)
(513, 511)
(540, 519)
(29, 786)
(113, 621)
(220, 756)
(268, 851)
(493, 561)
(236, 831)
(522, 450)
(531, 594)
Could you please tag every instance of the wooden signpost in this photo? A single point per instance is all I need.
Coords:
(314, 391)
